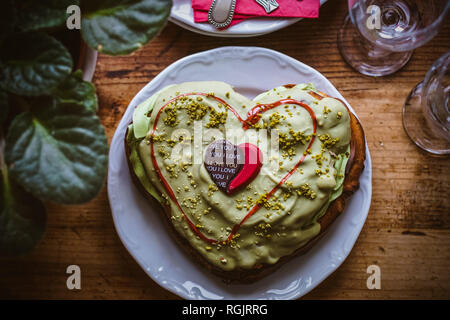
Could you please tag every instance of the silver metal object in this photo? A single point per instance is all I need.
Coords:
(221, 13)
(268, 5)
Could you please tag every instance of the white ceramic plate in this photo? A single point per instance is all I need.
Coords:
(251, 70)
(182, 15)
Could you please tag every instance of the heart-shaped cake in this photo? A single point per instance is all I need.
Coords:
(245, 185)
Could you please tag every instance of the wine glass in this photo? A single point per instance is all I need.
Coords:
(426, 113)
(378, 36)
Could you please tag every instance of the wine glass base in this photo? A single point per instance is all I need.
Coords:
(364, 57)
(417, 128)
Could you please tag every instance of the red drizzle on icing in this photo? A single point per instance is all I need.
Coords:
(253, 117)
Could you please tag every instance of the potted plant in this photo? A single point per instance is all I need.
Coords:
(52, 144)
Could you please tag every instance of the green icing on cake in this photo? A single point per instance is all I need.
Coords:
(287, 220)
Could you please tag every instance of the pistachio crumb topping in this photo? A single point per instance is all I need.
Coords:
(326, 110)
(327, 140)
(185, 165)
(166, 198)
(274, 120)
(263, 230)
(162, 151)
(216, 119)
(288, 144)
(211, 189)
(306, 191)
(171, 170)
(171, 119)
(320, 158)
(156, 138)
(171, 142)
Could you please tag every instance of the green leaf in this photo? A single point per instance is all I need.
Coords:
(22, 218)
(34, 15)
(3, 107)
(74, 89)
(122, 26)
(58, 152)
(33, 63)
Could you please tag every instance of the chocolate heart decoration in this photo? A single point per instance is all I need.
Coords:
(253, 117)
(223, 161)
(232, 167)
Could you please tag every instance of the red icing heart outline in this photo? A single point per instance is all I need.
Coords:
(253, 117)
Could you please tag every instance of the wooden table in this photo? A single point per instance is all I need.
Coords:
(407, 232)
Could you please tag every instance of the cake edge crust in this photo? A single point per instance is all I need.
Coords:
(355, 167)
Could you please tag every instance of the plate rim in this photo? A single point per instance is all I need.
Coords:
(156, 80)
